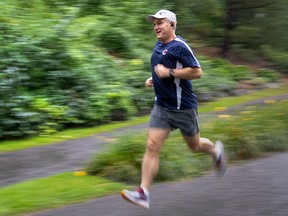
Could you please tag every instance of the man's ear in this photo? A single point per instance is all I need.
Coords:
(172, 25)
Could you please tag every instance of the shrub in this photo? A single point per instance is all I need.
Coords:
(241, 73)
(276, 56)
(271, 75)
(122, 160)
(120, 103)
(116, 43)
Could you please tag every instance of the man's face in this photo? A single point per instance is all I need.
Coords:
(163, 30)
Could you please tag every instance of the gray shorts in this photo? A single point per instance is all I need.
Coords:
(186, 120)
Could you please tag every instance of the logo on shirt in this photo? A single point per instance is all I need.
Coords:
(164, 52)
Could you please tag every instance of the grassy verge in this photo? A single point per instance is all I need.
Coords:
(52, 192)
(13, 145)
(233, 101)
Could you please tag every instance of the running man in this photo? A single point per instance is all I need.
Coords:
(174, 65)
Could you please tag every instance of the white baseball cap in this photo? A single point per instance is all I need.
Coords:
(161, 14)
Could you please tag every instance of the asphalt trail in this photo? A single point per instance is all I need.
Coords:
(256, 188)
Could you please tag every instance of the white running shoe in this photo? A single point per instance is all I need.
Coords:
(221, 161)
(138, 197)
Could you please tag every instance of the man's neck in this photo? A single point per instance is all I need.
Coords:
(169, 39)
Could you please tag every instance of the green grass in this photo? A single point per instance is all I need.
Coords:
(233, 101)
(13, 145)
(251, 132)
(52, 192)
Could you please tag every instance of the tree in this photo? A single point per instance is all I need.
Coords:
(245, 14)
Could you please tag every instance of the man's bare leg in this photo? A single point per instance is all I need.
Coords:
(150, 163)
(200, 144)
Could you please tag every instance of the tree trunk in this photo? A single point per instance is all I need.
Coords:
(230, 23)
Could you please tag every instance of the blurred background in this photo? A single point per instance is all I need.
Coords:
(76, 64)
(80, 63)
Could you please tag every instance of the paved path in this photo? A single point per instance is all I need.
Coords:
(48, 160)
(73, 154)
(257, 188)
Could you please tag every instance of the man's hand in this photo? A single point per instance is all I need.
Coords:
(149, 82)
(161, 71)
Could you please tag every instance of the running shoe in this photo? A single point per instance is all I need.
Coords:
(138, 197)
(221, 161)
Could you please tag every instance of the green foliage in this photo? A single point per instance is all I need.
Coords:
(241, 73)
(245, 54)
(59, 79)
(253, 131)
(122, 160)
(204, 19)
(89, 7)
(219, 76)
(225, 70)
(248, 36)
(269, 74)
(246, 24)
(82, 63)
(277, 56)
(116, 43)
(177, 161)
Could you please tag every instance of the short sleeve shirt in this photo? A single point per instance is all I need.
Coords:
(174, 93)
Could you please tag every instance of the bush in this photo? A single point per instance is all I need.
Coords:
(270, 75)
(277, 57)
(239, 73)
(122, 160)
(75, 83)
(116, 43)
(120, 103)
(217, 78)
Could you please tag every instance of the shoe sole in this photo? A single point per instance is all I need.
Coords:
(135, 203)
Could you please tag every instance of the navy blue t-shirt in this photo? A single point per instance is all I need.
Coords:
(174, 93)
